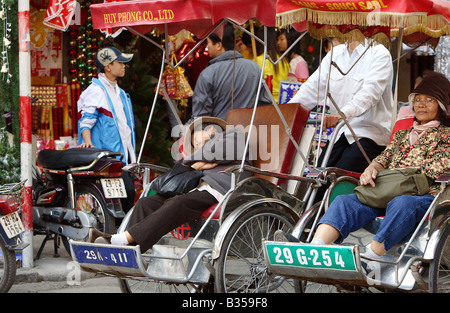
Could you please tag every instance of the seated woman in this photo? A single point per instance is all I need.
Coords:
(155, 216)
(425, 146)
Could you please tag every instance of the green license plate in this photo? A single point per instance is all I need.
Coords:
(310, 256)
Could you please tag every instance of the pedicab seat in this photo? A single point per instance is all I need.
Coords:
(404, 120)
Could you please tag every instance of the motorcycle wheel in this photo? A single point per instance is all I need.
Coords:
(7, 268)
(89, 200)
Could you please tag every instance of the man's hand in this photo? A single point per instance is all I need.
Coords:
(86, 134)
(200, 166)
(87, 145)
(331, 120)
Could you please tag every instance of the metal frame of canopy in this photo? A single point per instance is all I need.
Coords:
(235, 188)
(218, 20)
(397, 279)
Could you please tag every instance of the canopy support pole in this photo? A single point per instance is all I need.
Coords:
(26, 157)
(399, 51)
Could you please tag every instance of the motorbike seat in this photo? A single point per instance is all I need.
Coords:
(66, 159)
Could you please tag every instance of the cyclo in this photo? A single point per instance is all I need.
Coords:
(420, 261)
(233, 244)
(222, 250)
(218, 249)
(224, 247)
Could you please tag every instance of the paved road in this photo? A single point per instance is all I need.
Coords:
(60, 275)
(90, 285)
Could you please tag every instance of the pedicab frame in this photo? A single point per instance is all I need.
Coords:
(186, 278)
(128, 262)
(427, 248)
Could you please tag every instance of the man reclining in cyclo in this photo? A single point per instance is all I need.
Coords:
(215, 147)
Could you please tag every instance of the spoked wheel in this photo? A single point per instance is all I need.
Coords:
(139, 286)
(90, 201)
(7, 268)
(439, 271)
(241, 266)
(305, 233)
(153, 286)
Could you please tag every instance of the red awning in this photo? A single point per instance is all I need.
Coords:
(332, 18)
(197, 16)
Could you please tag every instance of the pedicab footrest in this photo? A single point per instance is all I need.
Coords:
(313, 262)
(108, 259)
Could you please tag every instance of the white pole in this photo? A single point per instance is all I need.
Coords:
(25, 128)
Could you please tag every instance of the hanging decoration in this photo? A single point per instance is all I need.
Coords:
(83, 47)
(185, 44)
(59, 14)
(6, 42)
(175, 80)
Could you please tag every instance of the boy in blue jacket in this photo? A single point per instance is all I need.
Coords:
(105, 113)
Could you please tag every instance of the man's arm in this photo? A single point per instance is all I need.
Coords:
(86, 134)
(225, 147)
(87, 108)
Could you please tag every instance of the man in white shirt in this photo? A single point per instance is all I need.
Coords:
(107, 120)
(364, 96)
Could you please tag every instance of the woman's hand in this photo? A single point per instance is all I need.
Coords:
(370, 174)
(200, 166)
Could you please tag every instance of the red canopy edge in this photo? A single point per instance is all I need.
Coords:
(148, 14)
(426, 16)
(197, 16)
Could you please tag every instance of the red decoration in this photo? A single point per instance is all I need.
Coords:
(60, 13)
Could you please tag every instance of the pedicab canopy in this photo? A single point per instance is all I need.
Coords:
(380, 19)
(197, 16)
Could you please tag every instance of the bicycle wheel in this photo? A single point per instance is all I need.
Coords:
(241, 266)
(439, 270)
(308, 233)
(143, 286)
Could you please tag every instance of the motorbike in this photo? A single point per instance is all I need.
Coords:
(10, 229)
(77, 189)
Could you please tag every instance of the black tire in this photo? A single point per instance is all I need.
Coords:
(439, 270)
(90, 200)
(8, 268)
(240, 266)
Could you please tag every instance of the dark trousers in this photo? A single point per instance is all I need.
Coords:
(155, 216)
(348, 156)
(127, 203)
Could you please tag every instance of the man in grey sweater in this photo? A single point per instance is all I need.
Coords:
(212, 148)
(228, 82)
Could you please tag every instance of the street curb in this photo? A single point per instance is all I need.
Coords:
(51, 269)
